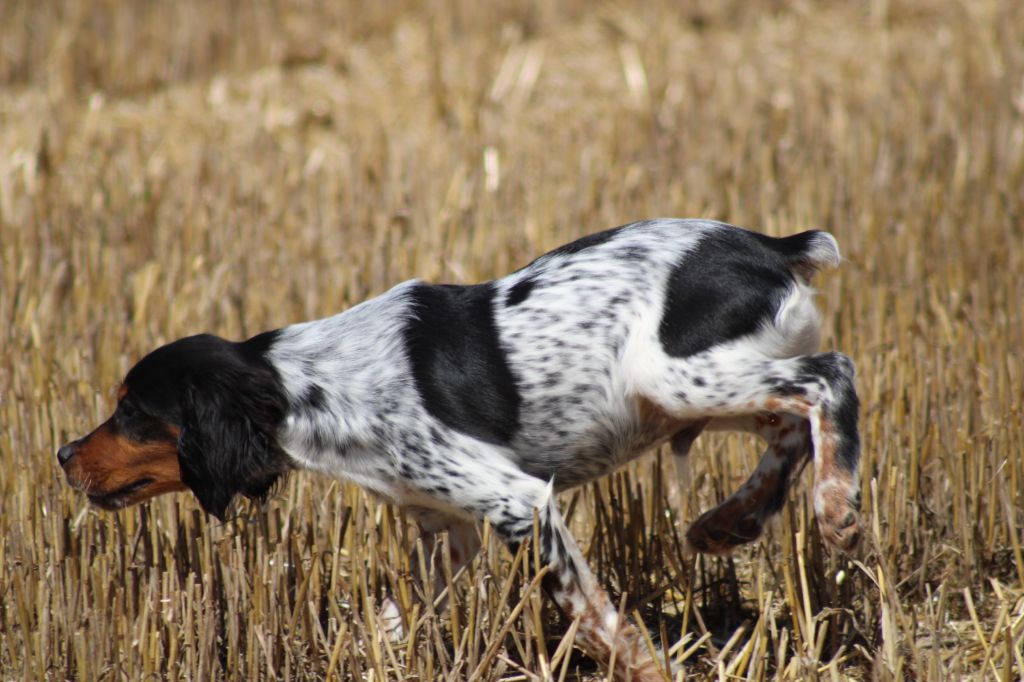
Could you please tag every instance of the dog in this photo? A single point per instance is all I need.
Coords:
(463, 403)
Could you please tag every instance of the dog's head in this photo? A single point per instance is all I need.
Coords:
(201, 414)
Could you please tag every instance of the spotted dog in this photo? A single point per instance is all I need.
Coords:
(464, 403)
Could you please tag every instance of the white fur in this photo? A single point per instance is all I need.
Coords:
(595, 382)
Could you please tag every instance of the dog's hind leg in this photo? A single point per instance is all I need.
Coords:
(740, 518)
(817, 389)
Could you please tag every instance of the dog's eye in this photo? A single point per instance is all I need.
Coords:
(126, 409)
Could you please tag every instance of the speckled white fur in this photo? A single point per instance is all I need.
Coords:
(585, 352)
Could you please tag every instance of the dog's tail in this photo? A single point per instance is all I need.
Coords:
(808, 252)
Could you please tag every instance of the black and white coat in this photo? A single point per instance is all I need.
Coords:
(469, 402)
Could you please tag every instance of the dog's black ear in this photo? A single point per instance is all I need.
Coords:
(228, 442)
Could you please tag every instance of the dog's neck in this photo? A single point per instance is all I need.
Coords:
(342, 377)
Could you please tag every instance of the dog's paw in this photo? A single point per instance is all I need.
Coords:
(837, 506)
(722, 529)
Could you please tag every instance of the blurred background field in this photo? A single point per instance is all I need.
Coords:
(171, 168)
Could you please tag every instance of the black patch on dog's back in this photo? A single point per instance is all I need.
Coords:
(723, 289)
(520, 291)
(459, 367)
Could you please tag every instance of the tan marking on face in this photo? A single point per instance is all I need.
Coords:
(122, 391)
(106, 462)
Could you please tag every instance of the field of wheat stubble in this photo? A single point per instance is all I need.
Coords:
(171, 168)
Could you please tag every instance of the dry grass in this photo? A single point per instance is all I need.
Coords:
(168, 168)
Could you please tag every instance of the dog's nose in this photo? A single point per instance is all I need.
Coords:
(65, 453)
